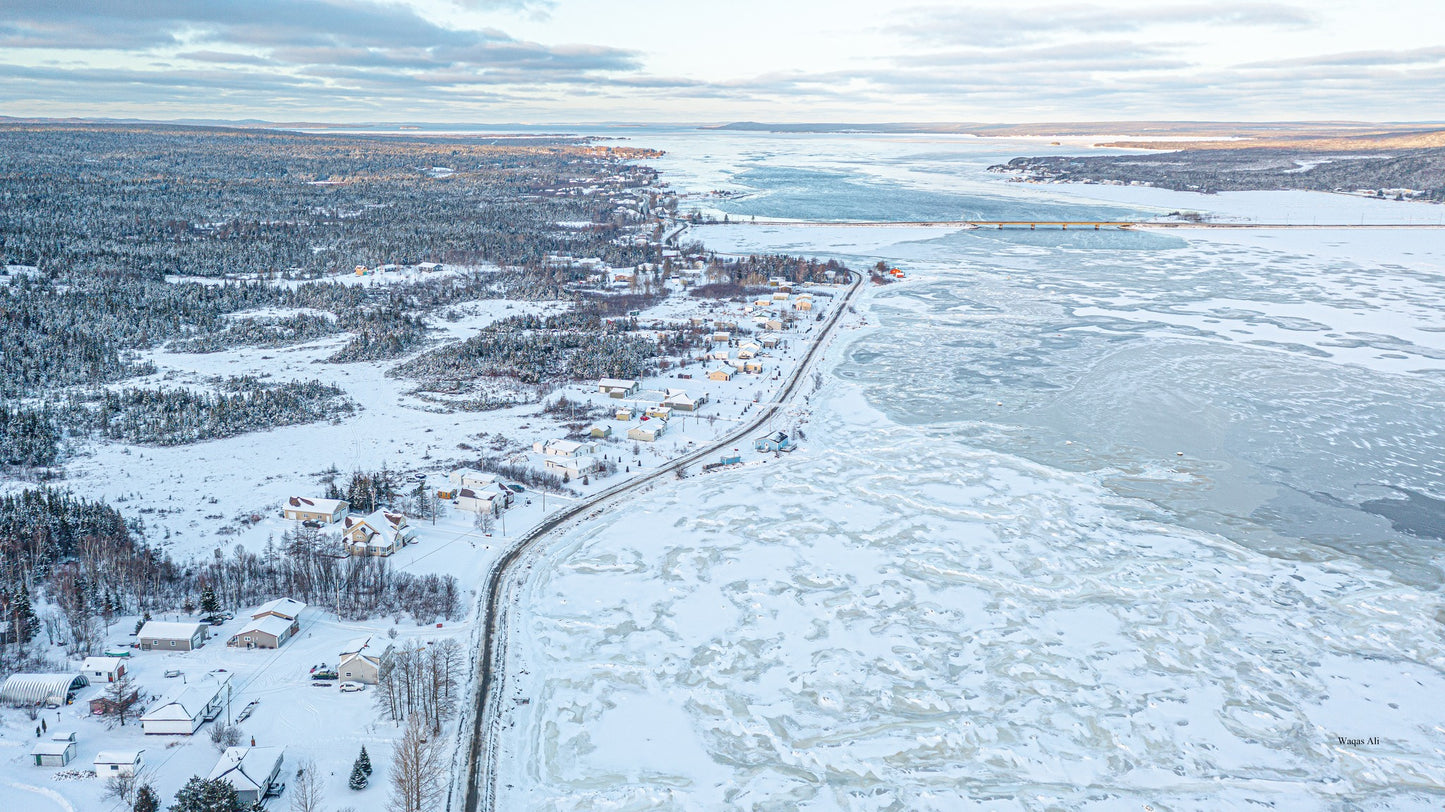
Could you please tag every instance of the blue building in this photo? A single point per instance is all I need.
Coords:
(777, 441)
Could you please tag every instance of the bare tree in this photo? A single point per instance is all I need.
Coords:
(417, 770)
(307, 794)
(224, 735)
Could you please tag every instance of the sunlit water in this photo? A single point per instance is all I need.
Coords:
(991, 579)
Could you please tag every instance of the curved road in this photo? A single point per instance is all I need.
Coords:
(481, 749)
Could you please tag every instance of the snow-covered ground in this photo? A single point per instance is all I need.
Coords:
(1082, 522)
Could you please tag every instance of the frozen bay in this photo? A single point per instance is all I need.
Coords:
(990, 579)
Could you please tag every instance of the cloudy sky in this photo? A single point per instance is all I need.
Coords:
(495, 61)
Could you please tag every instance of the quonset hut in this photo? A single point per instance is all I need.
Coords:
(41, 689)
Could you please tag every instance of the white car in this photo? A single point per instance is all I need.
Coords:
(351, 687)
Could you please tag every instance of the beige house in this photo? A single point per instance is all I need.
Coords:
(772, 341)
(664, 412)
(160, 635)
(305, 509)
(271, 625)
(720, 374)
(680, 401)
(773, 324)
(803, 304)
(647, 432)
(722, 337)
(602, 431)
(381, 533)
(753, 366)
(359, 663)
(616, 387)
(623, 414)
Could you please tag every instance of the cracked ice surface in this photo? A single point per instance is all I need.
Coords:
(894, 619)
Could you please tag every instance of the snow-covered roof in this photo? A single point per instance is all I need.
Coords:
(50, 748)
(285, 607)
(190, 699)
(270, 624)
(248, 768)
(318, 505)
(118, 756)
(356, 645)
(35, 688)
(169, 630)
(109, 665)
(618, 382)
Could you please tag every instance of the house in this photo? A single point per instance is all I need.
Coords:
(803, 304)
(732, 458)
(469, 478)
(780, 297)
(103, 669)
(53, 753)
(772, 341)
(718, 355)
(251, 770)
(718, 324)
(189, 706)
(572, 468)
(660, 412)
(616, 387)
(777, 441)
(751, 351)
(359, 663)
(773, 324)
(157, 635)
(721, 337)
(288, 608)
(304, 509)
(720, 374)
(647, 432)
(623, 414)
(601, 431)
(493, 499)
(379, 533)
(564, 448)
(272, 624)
(753, 366)
(118, 762)
(680, 401)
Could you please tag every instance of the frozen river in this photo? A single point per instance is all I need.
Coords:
(1086, 520)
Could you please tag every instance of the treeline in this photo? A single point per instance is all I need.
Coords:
(379, 333)
(282, 331)
(577, 345)
(420, 682)
(176, 416)
(156, 200)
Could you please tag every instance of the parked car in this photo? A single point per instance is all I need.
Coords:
(173, 672)
(351, 687)
(325, 674)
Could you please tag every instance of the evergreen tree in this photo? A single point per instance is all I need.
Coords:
(358, 776)
(209, 604)
(146, 800)
(27, 625)
(203, 795)
(364, 760)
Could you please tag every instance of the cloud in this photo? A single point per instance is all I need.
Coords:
(992, 26)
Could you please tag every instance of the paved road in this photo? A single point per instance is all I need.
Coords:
(480, 773)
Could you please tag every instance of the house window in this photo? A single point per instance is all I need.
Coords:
(173, 644)
(115, 766)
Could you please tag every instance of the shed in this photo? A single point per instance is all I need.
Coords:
(41, 689)
(118, 762)
(103, 669)
(53, 753)
(600, 431)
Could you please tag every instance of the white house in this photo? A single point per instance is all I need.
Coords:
(679, 400)
(198, 701)
(306, 509)
(616, 387)
(468, 478)
(118, 762)
(251, 770)
(564, 448)
(103, 669)
(572, 467)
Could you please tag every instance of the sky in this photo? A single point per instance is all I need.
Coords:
(580, 61)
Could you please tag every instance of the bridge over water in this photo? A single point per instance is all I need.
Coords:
(1064, 225)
